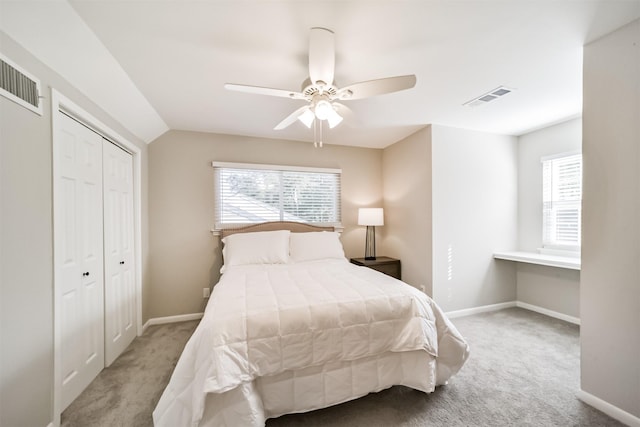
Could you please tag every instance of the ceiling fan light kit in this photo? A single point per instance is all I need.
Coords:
(307, 118)
(323, 109)
(334, 119)
(319, 90)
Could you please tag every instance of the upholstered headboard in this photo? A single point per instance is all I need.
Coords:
(294, 227)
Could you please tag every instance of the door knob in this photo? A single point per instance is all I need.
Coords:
(85, 274)
(121, 262)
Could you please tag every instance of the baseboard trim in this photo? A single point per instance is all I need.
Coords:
(171, 319)
(481, 309)
(606, 407)
(547, 312)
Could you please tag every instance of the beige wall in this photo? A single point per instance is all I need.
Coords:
(552, 288)
(185, 255)
(26, 227)
(26, 298)
(610, 277)
(450, 202)
(474, 215)
(406, 235)
(560, 138)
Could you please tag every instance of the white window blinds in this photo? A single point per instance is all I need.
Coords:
(562, 198)
(250, 193)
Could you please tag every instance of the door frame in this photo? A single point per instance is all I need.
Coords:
(61, 103)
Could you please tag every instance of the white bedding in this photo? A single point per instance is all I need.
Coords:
(265, 325)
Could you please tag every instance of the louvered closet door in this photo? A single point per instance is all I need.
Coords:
(120, 312)
(79, 256)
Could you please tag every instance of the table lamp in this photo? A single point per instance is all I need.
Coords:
(370, 217)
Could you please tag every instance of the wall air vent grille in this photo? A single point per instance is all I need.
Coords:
(19, 86)
(488, 97)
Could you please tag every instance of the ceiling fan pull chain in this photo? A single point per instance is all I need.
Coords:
(315, 133)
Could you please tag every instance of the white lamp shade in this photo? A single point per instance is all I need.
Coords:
(307, 118)
(323, 109)
(370, 216)
(333, 118)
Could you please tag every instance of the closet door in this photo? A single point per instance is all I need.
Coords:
(120, 311)
(79, 256)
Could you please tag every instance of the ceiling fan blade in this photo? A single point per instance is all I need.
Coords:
(377, 87)
(322, 55)
(291, 118)
(264, 91)
(344, 111)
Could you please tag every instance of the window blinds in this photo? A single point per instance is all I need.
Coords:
(258, 193)
(562, 198)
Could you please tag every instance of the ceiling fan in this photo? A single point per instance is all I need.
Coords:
(320, 91)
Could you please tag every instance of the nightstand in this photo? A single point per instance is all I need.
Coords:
(383, 264)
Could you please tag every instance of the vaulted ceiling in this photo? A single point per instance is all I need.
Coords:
(158, 65)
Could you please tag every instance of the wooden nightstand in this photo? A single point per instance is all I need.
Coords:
(383, 264)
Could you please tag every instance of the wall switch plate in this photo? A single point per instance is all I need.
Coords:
(205, 292)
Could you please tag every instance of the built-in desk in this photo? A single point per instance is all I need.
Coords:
(540, 259)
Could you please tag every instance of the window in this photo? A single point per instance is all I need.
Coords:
(251, 193)
(561, 202)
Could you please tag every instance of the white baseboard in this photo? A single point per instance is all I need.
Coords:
(606, 407)
(171, 319)
(481, 309)
(500, 306)
(547, 312)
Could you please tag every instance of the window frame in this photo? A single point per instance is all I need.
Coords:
(218, 225)
(555, 247)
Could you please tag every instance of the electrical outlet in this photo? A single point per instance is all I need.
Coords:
(205, 292)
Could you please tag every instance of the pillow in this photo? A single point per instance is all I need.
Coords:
(315, 245)
(262, 247)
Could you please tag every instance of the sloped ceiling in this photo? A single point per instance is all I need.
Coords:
(155, 65)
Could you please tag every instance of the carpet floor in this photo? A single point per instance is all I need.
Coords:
(524, 370)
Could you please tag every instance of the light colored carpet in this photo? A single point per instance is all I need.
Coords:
(125, 393)
(523, 370)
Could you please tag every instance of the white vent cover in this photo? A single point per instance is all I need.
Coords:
(489, 96)
(19, 86)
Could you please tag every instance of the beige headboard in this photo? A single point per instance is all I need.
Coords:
(294, 227)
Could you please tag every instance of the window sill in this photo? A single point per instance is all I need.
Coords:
(540, 259)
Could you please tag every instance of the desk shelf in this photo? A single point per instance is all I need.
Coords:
(540, 259)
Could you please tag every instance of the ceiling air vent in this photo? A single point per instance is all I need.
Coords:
(489, 96)
(19, 86)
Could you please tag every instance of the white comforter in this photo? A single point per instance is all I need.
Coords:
(263, 320)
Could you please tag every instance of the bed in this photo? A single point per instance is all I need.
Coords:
(292, 327)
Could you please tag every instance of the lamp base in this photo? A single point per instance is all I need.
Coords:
(370, 244)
